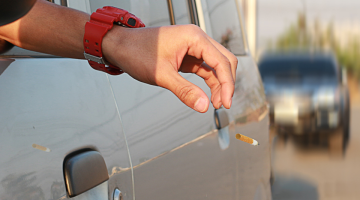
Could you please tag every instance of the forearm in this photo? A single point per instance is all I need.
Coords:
(152, 55)
(49, 28)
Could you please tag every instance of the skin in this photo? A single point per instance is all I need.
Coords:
(152, 55)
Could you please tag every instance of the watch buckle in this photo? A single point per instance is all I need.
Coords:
(97, 59)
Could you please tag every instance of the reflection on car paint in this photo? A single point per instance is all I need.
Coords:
(62, 108)
(224, 138)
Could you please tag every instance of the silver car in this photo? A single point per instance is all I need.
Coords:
(70, 132)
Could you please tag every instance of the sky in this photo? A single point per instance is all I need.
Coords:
(274, 16)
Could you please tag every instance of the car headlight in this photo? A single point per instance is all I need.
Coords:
(326, 98)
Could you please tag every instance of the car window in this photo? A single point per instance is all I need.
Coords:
(222, 23)
(181, 12)
(155, 13)
(294, 69)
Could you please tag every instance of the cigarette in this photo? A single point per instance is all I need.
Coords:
(246, 139)
(36, 146)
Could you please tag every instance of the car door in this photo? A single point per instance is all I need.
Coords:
(174, 150)
(177, 152)
(58, 125)
(51, 107)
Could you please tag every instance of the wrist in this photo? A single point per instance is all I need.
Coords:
(101, 22)
(112, 44)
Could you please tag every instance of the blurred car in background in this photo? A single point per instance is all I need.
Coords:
(308, 97)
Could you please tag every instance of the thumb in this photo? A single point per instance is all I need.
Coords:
(187, 92)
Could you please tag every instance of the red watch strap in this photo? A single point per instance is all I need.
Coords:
(100, 23)
(92, 42)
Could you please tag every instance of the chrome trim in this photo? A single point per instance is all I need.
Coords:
(193, 12)
(90, 57)
(171, 12)
(242, 26)
(200, 15)
(63, 3)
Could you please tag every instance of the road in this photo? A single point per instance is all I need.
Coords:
(312, 174)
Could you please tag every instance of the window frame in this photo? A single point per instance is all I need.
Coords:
(193, 12)
(201, 21)
(192, 9)
(243, 32)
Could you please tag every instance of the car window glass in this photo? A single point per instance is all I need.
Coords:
(222, 23)
(181, 12)
(297, 69)
(155, 13)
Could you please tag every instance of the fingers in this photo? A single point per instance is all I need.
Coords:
(208, 74)
(188, 93)
(201, 47)
(191, 64)
(231, 57)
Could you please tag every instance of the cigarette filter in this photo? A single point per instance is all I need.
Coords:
(36, 146)
(246, 139)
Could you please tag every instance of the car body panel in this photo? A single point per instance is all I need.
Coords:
(51, 107)
(179, 151)
(200, 169)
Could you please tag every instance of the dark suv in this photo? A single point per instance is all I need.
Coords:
(308, 96)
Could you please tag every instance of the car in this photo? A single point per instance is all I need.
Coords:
(70, 132)
(308, 96)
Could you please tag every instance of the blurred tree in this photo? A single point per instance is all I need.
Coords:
(299, 36)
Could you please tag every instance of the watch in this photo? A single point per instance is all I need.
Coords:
(100, 23)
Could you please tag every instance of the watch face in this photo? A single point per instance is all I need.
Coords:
(131, 22)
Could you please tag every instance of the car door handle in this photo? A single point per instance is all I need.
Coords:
(84, 170)
(221, 118)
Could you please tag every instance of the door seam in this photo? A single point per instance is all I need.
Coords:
(122, 128)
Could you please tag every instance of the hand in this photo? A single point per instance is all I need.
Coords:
(155, 55)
